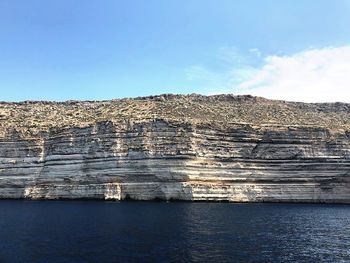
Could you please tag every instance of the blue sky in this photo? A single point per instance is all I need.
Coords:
(104, 49)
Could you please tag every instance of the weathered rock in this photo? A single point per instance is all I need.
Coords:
(175, 147)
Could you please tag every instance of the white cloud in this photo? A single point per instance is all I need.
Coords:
(316, 75)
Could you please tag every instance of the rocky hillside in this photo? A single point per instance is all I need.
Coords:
(194, 147)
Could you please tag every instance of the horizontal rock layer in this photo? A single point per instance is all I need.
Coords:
(174, 160)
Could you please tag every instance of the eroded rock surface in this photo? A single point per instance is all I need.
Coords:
(176, 147)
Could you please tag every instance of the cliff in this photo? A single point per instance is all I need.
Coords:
(176, 147)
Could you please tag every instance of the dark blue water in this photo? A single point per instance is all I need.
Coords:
(92, 231)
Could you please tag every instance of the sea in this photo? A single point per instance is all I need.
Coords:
(98, 231)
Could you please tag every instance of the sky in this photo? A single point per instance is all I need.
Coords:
(103, 49)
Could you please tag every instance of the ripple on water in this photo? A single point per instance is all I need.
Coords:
(89, 231)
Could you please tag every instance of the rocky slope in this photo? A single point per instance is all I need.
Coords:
(220, 148)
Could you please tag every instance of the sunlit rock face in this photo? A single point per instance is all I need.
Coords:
(168, 147)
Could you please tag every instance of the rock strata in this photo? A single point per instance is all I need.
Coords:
(176, 147)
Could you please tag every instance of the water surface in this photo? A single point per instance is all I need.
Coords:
(96, 231)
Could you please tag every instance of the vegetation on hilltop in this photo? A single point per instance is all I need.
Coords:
(221, 110)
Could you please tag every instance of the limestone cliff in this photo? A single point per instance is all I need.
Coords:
(223, 147)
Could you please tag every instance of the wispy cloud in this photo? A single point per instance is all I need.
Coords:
(314, 75)
(233, 67)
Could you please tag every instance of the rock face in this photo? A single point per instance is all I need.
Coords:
(176, 147)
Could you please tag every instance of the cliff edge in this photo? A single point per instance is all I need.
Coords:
(176, 147)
